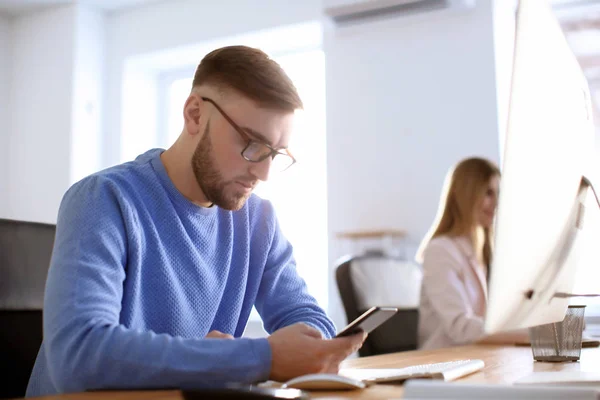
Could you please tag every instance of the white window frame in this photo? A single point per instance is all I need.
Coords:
(164, 81)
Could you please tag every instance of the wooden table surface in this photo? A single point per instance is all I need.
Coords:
(503, 364)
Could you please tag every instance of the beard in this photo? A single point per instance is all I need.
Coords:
(211, 181)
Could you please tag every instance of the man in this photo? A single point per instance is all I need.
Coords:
(158, 262)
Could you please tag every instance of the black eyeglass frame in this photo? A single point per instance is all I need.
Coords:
(273, 152)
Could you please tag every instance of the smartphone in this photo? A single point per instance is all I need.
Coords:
(367, 322)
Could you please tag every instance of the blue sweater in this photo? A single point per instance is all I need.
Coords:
(139, 275)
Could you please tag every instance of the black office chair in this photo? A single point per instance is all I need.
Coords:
(398, 333)
(25, 251)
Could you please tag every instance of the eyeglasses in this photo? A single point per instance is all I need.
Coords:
(256, 151)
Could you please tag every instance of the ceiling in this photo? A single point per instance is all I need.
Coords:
(20, 7)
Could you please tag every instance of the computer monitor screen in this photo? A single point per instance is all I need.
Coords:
(549, 140)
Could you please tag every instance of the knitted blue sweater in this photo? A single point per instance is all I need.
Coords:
(139, 275)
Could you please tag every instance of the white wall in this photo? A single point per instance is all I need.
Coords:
(41, 98)
(88, 90)
(55, 91)
(164, 26)
(406, 99)
(504, 14)
(5, 57)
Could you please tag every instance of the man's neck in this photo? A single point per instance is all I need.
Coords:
(181, 174)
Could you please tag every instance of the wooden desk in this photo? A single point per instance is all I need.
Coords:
(502, 365)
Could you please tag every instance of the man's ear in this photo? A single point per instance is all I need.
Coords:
(191, 113)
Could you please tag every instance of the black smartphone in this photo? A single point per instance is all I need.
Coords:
(369, 320)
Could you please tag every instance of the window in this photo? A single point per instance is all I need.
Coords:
(299, 195)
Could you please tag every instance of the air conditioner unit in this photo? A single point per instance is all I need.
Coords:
(349, 11)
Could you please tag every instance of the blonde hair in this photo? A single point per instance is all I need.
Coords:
(464, 188)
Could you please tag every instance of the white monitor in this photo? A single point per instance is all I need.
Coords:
(549, 140)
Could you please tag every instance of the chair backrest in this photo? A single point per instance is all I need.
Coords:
(25, 252)
(20, 340)
(380, 280)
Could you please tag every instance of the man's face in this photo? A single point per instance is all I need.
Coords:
(225, 177)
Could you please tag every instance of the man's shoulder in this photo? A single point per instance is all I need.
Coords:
(117, 180)
(120, 174)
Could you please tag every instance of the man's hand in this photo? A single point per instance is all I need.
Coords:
(218, 335)
(299, 349)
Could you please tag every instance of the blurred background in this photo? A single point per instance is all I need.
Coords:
(396, 92)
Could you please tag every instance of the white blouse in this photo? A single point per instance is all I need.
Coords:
(453, 294)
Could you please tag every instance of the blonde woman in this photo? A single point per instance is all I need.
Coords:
(456, 256)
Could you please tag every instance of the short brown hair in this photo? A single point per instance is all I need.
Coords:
(252, 73)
